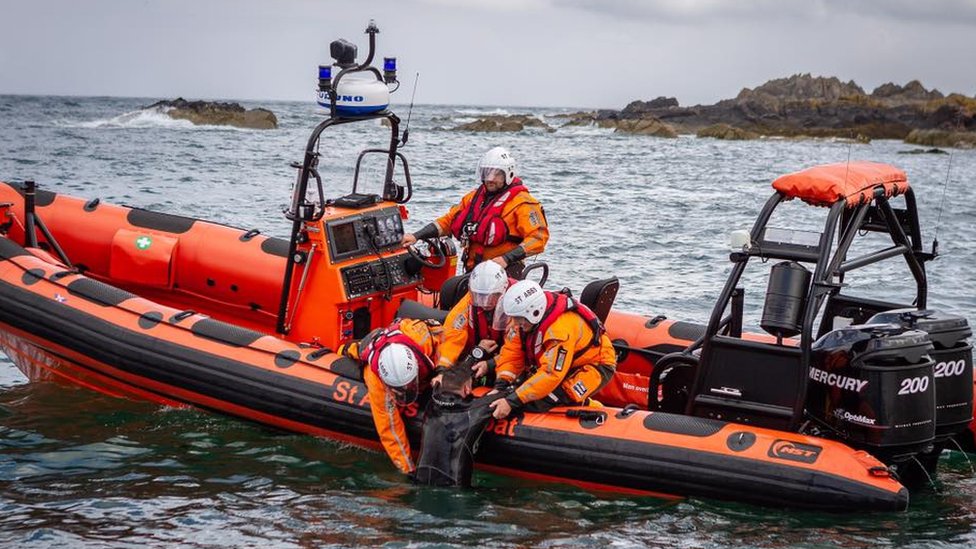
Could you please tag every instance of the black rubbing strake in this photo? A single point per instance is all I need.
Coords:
(41, 198)
(98, 292)
(160, 221)
(223, 332)
(32, 276)
(686, 330)
(10, 249)
(275, 246)
(740, 441)
(150, 320)
(284, 359)
(682, 425)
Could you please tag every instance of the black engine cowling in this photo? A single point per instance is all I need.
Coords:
(873, 387)
(953, 357)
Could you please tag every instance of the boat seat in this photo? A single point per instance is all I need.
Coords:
(452, 290)
(412, 309)
(749, 382)
(599, 296)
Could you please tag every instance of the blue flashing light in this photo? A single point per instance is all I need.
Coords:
(389, 64)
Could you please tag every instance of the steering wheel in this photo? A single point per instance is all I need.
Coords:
(435, 258)
(671, 382)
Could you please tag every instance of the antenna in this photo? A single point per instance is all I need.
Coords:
(938, 224)
(406, 127)
(850, 147)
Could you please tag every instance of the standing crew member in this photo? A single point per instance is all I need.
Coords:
(397, 373)
(468, 325)
(559, 344)
(499, 220)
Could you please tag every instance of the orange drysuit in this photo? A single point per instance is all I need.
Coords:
(564, 365)
(526, 223)
(387, 414)
(464, 327)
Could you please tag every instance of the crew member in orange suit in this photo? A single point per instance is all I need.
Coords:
(498, 221)
(559, 348)
(398, 369)
(469, 327)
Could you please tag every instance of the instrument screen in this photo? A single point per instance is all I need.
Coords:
(344, 238)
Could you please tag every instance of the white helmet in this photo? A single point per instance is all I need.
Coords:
(397, 365)
(487, 284)
(496, 159)
(526, 300)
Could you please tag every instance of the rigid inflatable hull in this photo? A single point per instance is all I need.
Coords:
(84, 332)
(140, 341)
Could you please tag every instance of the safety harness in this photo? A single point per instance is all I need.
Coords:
(558, 303)
(371, 353)
(481, 223)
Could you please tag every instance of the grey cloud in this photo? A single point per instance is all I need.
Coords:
(959, 12)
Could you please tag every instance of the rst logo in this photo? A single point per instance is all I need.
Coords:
(794, 451)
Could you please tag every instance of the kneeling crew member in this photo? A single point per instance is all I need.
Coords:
(555, 341)
(499, 220)
(398, 371)
(469, 324)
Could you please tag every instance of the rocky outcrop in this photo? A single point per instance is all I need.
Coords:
(923, 151)
(213, 113)
(725, 131)
(644, 126)
(800, 87)
(893, 94)
(504, 123)
(808, 106)
(637, 109)
(940, 138)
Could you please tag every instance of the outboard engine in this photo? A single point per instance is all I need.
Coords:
(786, 297)
(873, 387)
(953, 358)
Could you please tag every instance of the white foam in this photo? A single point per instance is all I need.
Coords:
(482, 112)
(155, 117)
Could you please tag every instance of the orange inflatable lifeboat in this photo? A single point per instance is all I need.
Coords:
(821, 411)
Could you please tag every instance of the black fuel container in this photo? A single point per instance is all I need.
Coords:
(873, 387)
(786, 296)
(953, 357)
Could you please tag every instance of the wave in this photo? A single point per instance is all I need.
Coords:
(155, 117)
(483, 112)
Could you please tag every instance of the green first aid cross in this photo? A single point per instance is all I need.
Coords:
(143, 242)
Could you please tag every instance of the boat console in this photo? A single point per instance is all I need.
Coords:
(347, 272)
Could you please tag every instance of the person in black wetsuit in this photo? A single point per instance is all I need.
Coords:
(453, 425)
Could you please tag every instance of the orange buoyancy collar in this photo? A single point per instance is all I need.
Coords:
(558, 303)
(394, 335)
(481, 221)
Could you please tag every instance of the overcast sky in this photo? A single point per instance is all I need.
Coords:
(572, 53)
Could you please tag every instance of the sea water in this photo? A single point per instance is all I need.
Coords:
(82, 469)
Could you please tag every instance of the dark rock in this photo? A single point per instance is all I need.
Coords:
(942, 138)
(912, 91)
(802, 87)
(645, 126)
(725, 131)
(923, 151)
(804, 105)
(636, 109)
(216, 113)
(504, 123)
